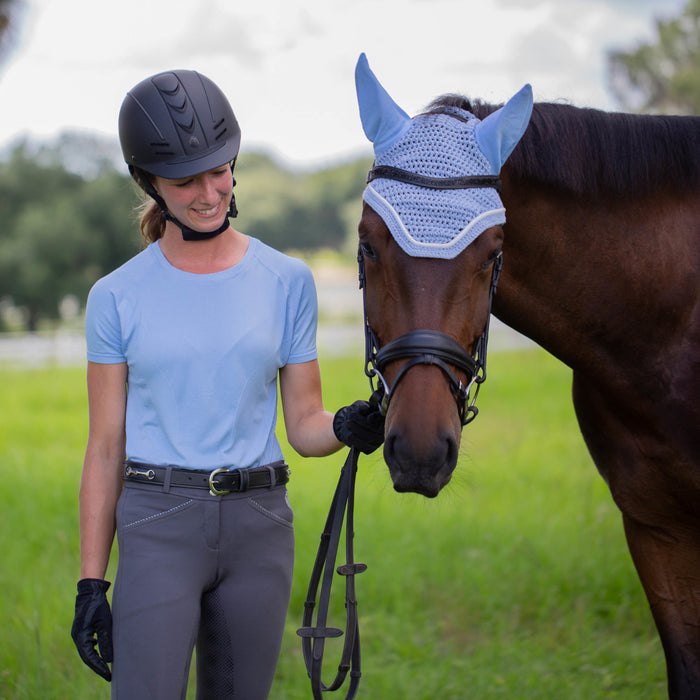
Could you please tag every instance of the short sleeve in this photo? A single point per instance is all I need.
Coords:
(304, 319)
(102, 327)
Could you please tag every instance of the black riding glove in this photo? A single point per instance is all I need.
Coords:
(92, 625)
(360, 425)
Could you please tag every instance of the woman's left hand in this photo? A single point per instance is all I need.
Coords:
(360, 425)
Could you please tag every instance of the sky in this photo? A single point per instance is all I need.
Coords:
(288, 67)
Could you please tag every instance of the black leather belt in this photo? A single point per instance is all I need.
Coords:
(218, 482)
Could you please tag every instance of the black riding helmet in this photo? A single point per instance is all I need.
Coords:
(178, 124)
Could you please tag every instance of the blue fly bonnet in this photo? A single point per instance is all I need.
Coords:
(435, 222)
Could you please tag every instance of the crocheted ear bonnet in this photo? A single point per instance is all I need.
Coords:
(426, 222)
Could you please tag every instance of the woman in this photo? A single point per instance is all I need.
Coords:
(186, 342)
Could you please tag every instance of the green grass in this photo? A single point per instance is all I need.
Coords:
(514, 583)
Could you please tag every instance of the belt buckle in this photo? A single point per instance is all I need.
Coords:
(213, 490)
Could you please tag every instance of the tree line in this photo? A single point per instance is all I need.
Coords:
(68, 216)
(66, 210)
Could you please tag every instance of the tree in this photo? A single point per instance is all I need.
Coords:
(297, 210)
(5, 6)
(8, 24)
(60, 232)
(67, 216)
(662, 76)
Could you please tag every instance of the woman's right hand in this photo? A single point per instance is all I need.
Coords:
(92, 626)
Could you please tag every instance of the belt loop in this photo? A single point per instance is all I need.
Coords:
(166, 479)
(244, 479)
(273, 475)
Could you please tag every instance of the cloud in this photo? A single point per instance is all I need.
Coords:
(288, 67)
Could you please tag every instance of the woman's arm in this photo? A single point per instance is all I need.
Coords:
(102, 470)
(309, 427)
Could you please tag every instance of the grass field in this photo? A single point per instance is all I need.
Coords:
(514, 583)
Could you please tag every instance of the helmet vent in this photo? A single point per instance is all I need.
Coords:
(186, 126)
(220, 130)
(176, 100)
(162, 149)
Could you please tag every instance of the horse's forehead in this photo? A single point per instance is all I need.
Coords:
(428, 222)
(441, 144)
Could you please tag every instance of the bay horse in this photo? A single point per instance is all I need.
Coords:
(600, 258)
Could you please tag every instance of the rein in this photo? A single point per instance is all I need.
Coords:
(314, 636)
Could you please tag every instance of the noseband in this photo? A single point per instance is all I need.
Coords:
(429, 347)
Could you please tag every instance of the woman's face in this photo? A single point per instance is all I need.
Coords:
(200, 201)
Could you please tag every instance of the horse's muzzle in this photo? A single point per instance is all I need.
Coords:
(416, 471)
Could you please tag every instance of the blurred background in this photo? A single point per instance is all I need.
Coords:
(66, 200)
(516, 582)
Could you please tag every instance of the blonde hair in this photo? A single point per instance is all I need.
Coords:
(150, 215)
(151, 220)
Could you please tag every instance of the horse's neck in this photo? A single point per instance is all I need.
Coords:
(592, 283)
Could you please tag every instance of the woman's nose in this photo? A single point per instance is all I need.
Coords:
(207, 190)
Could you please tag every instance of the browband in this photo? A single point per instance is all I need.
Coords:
(465, 182)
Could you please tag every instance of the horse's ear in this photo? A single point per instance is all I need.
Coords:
(383, 121)
(499, 133)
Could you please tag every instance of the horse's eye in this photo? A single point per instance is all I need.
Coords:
(368, 251)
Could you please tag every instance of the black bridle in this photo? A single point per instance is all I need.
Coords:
(429, 347)
(419, 347)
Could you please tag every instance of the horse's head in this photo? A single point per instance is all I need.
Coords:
(405, 295)
(430, 244)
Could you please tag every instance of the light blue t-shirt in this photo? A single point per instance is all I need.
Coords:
(203, 352)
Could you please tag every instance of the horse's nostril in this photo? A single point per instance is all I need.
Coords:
(390, 450)
(452, 451)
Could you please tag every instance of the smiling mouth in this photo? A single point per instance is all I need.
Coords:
(208, 213)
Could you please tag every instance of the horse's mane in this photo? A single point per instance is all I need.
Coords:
(600, 154)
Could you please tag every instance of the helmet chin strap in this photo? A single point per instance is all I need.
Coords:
(188, 234)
